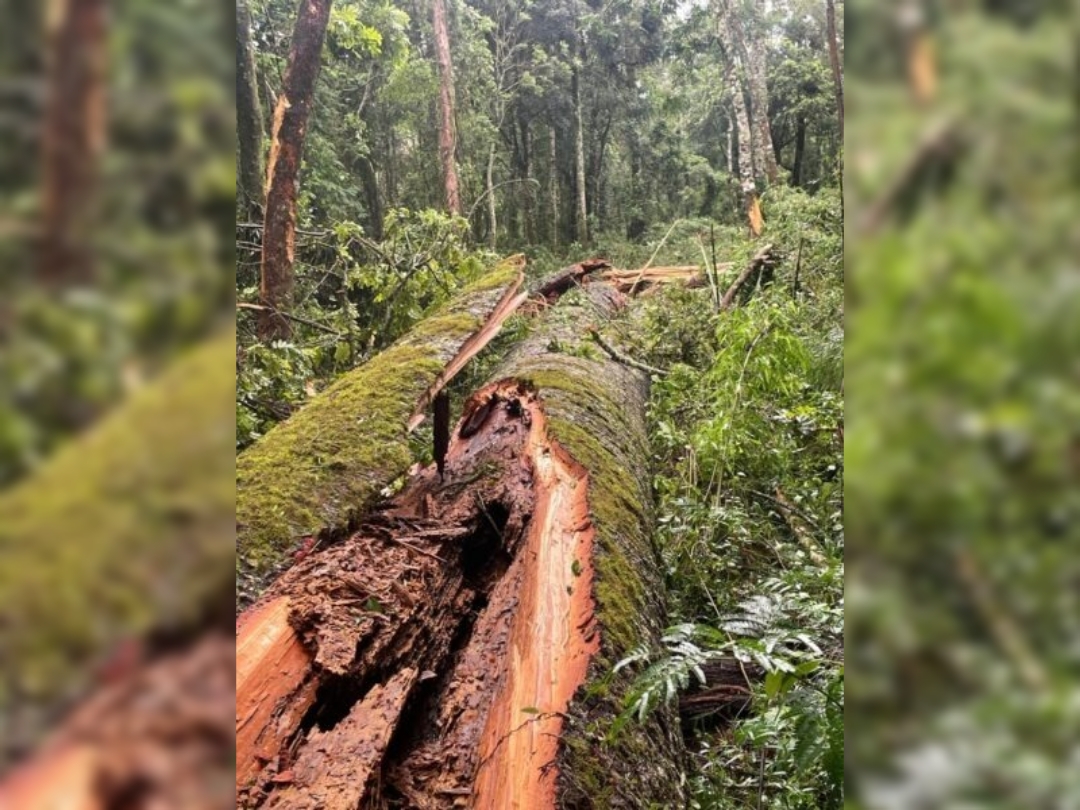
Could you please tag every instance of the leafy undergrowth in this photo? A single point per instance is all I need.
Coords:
(747, 431)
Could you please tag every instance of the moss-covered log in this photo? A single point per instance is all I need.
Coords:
(312, 475)
(457, 649)
(126, 531)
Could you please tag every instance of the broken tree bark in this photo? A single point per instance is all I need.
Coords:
(283, 167)
(456, 650)
(310, 476)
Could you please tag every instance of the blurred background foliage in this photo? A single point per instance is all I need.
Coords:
(963, 448)
(162, 219)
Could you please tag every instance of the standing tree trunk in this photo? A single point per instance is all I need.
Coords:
(447, 130)
(581, 211)
(800, 148)
(834, 61)
(21, 68)
(286, 150)
(372, 198)
(734, 79)
(489, 178)
(751, 54)
(249, 117)
(553, 185)
(74, 137)
(759, 100)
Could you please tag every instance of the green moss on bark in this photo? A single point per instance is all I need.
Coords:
(596, 411)
(321, 469)
(127, 528)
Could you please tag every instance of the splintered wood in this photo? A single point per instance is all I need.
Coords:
(428, 660)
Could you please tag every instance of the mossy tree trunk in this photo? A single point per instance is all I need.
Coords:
(283, 169)
(309, 478)
(126, 533)
(459, 645)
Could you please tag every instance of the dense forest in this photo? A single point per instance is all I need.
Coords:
(623, 223)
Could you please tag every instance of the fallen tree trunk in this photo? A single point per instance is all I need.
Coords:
(456, 650)
(127, 532)
(314, 474)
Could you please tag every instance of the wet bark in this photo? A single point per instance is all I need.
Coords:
(249, 117)
(438, 654)
(447, 129)
(73, 139)
(283, 168)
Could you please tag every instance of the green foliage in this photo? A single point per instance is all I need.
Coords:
(354, 298)
(746, 429)
(963, 338)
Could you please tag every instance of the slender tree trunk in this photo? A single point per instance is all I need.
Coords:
(372, 197)
(489, 178)
(447, 130)
(759, 99)
(834, 62)
(286, 149)
(800, 146)
(74, 138)
(528, 186)
(553, 186)
(249, 117)
(582, 215)
(20, 64)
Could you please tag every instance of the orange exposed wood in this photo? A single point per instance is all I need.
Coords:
(507, 306)
(553, 639)
(272, 666)
(62, 779)
(757, 221)
(485, 641)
